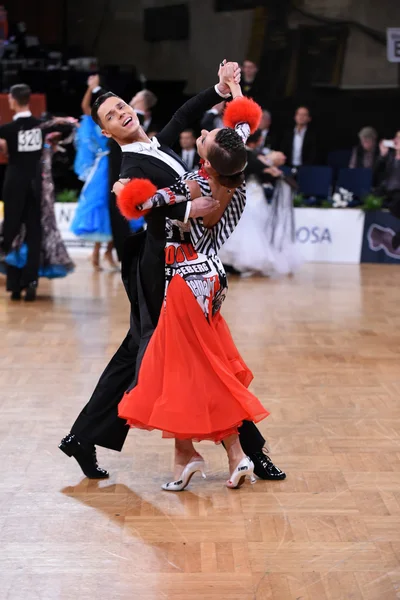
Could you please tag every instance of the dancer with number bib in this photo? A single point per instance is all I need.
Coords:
(22, 140)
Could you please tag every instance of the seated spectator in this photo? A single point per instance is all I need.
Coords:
(212, 119)
(268, 140)
(142, 103)
(188, 151)
(387, 180)
(366, 153)
(300, 144)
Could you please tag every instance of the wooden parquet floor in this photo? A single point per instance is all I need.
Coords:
(325, 350)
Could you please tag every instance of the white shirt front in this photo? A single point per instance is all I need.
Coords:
(264, 135)
(146, 124)
(153, 149)
(188, 158)
(297, 150)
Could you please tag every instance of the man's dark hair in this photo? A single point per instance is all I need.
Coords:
(250, 60)
(189, 131)
(21, 93)
(228, 157)
(254, 137)
(95, 108)
(305, 107)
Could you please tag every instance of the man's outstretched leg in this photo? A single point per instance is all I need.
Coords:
(98, 424)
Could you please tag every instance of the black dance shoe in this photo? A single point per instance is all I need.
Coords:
(85, 455)
(30, 294)
(16, 295)
(264, 468)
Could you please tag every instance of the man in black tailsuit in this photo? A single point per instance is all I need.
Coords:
(144, 278)
(22, 140)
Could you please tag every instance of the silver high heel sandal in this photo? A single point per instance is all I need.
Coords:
(244, 469)
(186, 475)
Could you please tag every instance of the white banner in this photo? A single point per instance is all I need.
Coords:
(65, 212)
(329, 234)
(323, 234)
(393, 44)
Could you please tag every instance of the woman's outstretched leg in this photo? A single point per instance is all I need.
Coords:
(187, 463)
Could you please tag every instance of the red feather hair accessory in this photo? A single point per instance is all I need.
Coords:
(133, 195)
(243, 110)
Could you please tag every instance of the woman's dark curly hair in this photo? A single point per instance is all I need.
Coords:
(228, 158)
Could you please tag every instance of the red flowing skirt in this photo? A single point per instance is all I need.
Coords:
(192, 382)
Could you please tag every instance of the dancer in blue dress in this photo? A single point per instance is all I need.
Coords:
(92, 218)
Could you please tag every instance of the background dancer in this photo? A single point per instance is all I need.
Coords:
(263, 243)
(55, 261)
(92, 218)
(22, 140)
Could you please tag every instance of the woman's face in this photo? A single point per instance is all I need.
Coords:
(205, 141)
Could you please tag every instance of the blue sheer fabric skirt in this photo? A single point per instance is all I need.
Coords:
(92, 216)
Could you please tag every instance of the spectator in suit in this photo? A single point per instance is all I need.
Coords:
(142, 103)
(387, 179)
(265, 169)
(300, 143)
(366, 153)
(213, 118)
(249, 78)
(188, 152)
(267, 139)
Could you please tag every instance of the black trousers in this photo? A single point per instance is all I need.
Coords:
(22, 207)
(99, 424)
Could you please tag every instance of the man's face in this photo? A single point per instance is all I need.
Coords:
(367, 143)
(397, 141)
(205, 142)
(118, 120)
(265, 121)
(187, 140)
(302, 116)
(249, 70)
(11, 102)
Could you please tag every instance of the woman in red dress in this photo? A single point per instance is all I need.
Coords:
(192, 383)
